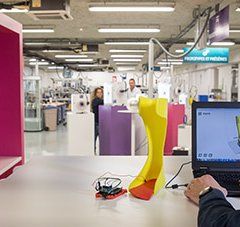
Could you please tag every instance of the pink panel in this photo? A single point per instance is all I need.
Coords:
(175, 117)
(11, 88)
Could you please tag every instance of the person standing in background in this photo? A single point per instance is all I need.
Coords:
(96, 102)
(133, 91)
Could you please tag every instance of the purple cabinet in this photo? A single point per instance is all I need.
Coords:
(114, 131)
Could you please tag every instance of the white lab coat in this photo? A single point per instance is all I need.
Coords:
(134, 93)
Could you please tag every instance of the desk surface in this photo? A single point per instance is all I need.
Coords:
(57, 191)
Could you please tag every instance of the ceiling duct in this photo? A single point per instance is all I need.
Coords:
(50, 10)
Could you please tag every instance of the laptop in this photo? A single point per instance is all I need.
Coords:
(216, 143)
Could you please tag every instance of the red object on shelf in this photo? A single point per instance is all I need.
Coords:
(176, 114)
(124, 191)
(11, 96)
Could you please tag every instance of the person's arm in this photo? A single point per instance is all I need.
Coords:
(216, 211)
(95, 103)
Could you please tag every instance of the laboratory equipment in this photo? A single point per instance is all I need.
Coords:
(33, 108)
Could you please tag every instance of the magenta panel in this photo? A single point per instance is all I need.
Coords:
(11, 88)
(176, 114)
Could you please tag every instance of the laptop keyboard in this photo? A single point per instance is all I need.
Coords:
(229, 180)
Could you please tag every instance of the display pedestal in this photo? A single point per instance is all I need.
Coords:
(80, 134)
(114, 131)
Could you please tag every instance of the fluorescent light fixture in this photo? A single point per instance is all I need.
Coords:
(172, 60)
(132, 7)
(234, 30)
(39, 63)
(70, 56)
(226, 43)
(126, 56)
(165, 67)
(127, 60)
(237, 9)
(36, 44)
(126, 63)
(128, 30)
(13, 10)
(180, 51)
(126, 68)
(222, 44)
(32, 59)
(126, 51)
(91, 65)
(79, 60)
(53, 51)
(170, 63)
(38, 30)
(127, 43)
(55, 67)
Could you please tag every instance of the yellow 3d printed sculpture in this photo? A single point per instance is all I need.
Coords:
(151, 178)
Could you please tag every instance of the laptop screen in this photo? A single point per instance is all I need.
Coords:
(218, 134)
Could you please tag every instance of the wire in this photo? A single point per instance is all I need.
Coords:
(174, 186)
(117, 175)
(154, 40)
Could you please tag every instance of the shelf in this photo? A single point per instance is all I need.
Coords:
(7, 163)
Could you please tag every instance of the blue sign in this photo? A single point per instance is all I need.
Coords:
(207, 55)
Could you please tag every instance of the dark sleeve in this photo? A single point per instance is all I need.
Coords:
(216, 211)
(95, 103)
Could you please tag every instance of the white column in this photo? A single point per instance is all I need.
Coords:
(238, 79)
(150, 68)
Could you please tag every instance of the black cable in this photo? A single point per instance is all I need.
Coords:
(174, 186)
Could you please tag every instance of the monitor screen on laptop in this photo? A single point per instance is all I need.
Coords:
(217, 134)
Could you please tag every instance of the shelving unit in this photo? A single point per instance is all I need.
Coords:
(11, 96)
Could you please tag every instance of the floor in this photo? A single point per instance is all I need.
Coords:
(47, 143)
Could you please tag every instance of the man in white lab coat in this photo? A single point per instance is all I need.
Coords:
(133, 91)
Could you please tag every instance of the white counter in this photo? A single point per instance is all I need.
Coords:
(57, 192)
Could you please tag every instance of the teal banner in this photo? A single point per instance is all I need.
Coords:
(207, 55)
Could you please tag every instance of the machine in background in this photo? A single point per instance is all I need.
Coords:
(33, 109)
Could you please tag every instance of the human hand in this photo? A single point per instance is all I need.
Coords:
(199, 184)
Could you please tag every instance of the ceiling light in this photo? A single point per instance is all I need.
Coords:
(215, 43)
(79, 60)
(53, 51)
(36, 44)
(127, 43)
(38, 63)
(126, 51)
(234, 30)
(132, 7)
(126, 56)
(38, 30)
(127, 60)
(126, 68)
(70, 56)
(55, 67)
(32, 59)
(126, 63)
(222, 44)
(128, 30)
(13, 10)
(237, 9)
(169, 63)
(91, 65)
(179, 51)
(172, 60)
(165, 67)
